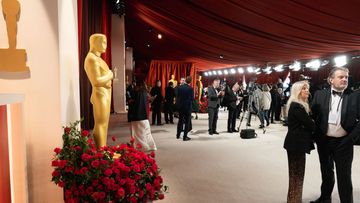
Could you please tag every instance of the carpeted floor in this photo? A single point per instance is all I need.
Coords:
(225, 168)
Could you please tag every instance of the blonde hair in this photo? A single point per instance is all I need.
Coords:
(295, 95)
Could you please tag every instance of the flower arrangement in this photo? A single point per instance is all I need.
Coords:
(109, 175)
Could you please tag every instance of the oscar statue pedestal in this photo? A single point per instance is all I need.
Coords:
(13, 60)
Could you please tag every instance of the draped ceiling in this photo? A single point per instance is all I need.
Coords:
(256, 32)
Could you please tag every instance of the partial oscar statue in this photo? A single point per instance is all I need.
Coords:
(199, 88)
(100, 77)
(173, 80)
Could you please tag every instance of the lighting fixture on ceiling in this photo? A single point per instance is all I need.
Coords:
(221, 56)
(226, 72)
(340, 61)
(214, 72)
(219, 72)
(210, 73)
(279, 68)
(241, 70)
(250, 69)
(206, 74)
(314, 64)
(159, 36)
(232, 71)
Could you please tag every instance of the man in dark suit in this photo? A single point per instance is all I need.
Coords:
(336, 131)
(184, 100)
(157, 98)
(231, 98)
(169, 101)
(213, 105)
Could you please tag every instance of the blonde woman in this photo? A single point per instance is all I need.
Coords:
(298, 139)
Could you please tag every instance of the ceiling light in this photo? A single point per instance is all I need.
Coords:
(219, 72)
(159, 36)
(226, 72)
(257, 70)
(250, 69)
(314, 64)
(340, 61)
(148, 45)
(241, 70)
(214, 72)
(210, 73)
(221, 56)
(279, 68)
(295, 65)
(206, 74)
(269, 72)
(232, 71)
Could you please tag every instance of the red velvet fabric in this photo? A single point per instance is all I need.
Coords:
(162, 70)
(245, 32)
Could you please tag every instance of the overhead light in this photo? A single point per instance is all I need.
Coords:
(241, 70)
(340, 61)
(267, 69)
(269, 72)
(279, 68)
(206, 74)
(295, 66)
(314, 64)
(148, 45)
(219, 72)
(159, 36)
(232, 71)
(226, 72)
(221, 56)
(214, 72)
(257, 73)
(250, 69)
(257, 70)
(210, 73)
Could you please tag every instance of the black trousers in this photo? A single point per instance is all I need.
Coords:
(277, 112)
(168, 112)
(332, 150)
(231, 125)
(296, 163)
(156, 114)
(213, 117)
(184, 123)
(272, 113)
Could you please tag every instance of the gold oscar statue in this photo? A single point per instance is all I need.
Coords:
(173, 80)
(199, 88)
(100, 77)
(12, 59)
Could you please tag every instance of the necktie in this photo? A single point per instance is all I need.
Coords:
(336, 93)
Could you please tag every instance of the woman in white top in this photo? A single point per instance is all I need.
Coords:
(266, 103)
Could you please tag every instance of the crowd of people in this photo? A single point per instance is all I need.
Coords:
(329, 119)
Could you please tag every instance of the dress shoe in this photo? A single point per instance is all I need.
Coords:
(215, 132)
(210, 133)
(319, 200)
(172, 122)
(261, 126)
(186, 138)
(177, 136)
(267, 124)
(159, 124)
(229, 131)
(235, 131)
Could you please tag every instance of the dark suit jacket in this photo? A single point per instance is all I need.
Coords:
(300, 128)
(138, 112)
(158, 100)
(185, 98)
(230, 98)
(169, 94)
(349, 113)
(213, 99)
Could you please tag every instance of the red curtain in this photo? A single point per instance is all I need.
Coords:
(162, 70)
(94, 16)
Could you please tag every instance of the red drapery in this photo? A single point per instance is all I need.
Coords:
(162, 70)
(94, 16)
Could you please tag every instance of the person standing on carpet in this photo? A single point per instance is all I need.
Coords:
(214, 96)
(298, 140)
(337, 129)
(169, 103)
(157, 98)
(184, 101)
(140, 126)
(231, 98)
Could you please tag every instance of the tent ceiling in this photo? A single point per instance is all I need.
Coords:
(245, 32)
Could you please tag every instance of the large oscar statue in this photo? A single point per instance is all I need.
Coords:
(12, 60)
(173, 81)
(199, 88)
(100, 77)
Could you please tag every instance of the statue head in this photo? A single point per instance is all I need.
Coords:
(200, 77)
(98, 43)
(172, 77)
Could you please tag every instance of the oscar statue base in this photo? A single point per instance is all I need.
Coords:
(13, 64)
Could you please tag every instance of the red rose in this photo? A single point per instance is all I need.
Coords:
(85, 133)
(132, 140)
(83, 170)
(61, 184)
(102, 195)
(67, 130)
(141, 194)
(132, 190)
(121, 192)
(148, 187)
(161, 196)
(152, 154)
(62, 163)
(69, 169)
(89, 190)
(108, 172)
(95, 163)
(113, 138)
(57, 150)
(55, 173)
(85, 157)
(133, 200)
(138, 146)
(55, 163)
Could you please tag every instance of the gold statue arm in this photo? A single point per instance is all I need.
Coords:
(95, 76)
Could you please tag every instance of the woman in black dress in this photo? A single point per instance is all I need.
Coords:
(298, 139)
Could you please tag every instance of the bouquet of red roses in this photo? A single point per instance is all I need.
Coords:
(91, 175)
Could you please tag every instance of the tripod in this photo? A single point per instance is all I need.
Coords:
(247, 113)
